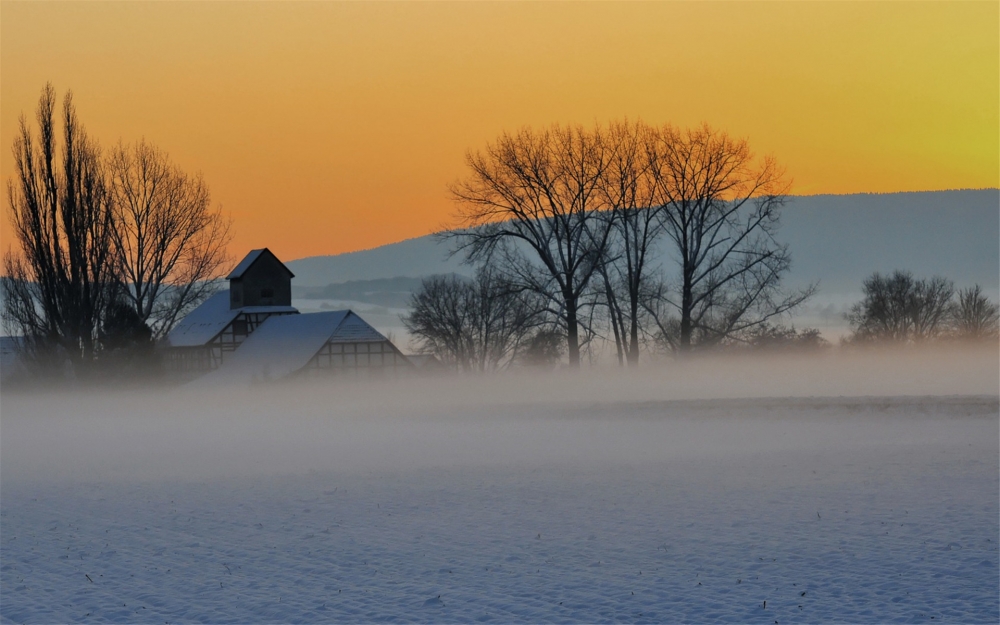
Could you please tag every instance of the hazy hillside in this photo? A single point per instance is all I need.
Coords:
(836, 240)
(839, 240)
(412, 258)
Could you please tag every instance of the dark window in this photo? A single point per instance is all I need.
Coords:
(266, 292)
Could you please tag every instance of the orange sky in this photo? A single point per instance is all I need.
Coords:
(329, 127)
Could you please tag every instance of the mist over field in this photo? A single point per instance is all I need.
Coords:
(331, 312)
(852, 485)
(526, 416)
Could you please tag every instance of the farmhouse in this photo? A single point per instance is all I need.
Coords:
(251, 332)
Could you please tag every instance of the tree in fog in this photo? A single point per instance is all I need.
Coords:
(899, 308)
(721, 211)
(482, 324)
(778, 337)
(544, 347)
(628, 188)
(126, 341)
(438, 319)
(974, 315)
(169, 242)
(532, 205)
(62, 276)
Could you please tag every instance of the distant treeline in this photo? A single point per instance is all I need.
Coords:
(898, 308)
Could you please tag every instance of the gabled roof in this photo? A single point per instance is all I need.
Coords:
(205, 322)
(354, 329)
(250, 259)
(283, 345)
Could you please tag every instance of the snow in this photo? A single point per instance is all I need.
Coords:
(328, 503)
(203, 323)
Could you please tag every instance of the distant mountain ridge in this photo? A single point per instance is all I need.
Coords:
(836, 240)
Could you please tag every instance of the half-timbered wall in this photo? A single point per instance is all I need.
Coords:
(354, 357)
(190, 361)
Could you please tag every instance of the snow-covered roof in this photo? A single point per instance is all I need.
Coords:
(250, 259)
(354, 329)
(283, 345)
(205, 322)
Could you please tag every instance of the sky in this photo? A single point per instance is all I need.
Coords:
(324, 128)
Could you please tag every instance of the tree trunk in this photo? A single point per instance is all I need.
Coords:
(572, 333)
(687, 303)
(615, 318)
(633, 340)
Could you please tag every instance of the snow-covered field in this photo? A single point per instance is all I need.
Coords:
(331, 504)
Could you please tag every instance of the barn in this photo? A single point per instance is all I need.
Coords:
(251, 332)
(260, 287)
(309, 346)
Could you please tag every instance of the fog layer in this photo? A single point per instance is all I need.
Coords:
(707, 407)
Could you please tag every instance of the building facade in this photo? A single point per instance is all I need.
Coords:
(252, 332)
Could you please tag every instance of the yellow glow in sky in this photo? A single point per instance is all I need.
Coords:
(329, 127)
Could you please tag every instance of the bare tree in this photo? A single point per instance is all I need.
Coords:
(438, 319)
(931, 303)
(62, 277)
(169, 242)
(532, 204)
(629, 191)
(901, 309)
(721, 210)
(664, 325)
(483, 324)
(975, 316)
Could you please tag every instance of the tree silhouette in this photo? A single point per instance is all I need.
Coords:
(899, 308)
(721, 210)
(169, 243)
(63, 277)
(629, 190)
(532, 205)
(482, 324)
(975, 316)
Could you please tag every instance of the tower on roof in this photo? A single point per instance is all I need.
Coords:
(260, 280)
